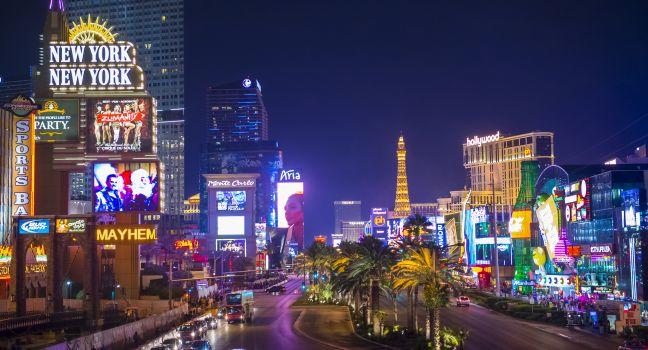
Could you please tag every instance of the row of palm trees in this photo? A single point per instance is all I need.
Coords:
(365, 270)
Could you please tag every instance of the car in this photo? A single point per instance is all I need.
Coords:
(201, 326)
(632, 344)
(220, 314)
(188, 332)
(463, 301)
(201, 345)
(234, 314)
(211, 323)
(187, 345)
(172, 343)
(275, 290)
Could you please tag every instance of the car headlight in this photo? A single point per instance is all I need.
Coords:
(241, 316)
(193, 334)
(213, 323)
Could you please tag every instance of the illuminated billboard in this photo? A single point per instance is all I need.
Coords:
(231, 200)
(22, 155)
(126, 186)
(520, 224)
(120, 125)
(547, 214)
(33, 226)
(57, 121)
(290, 206)
(290, 198)
(578, 201)
(236, 246)
(70, 225)
(231, 225)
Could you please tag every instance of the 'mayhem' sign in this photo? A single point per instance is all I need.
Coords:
(126, 234)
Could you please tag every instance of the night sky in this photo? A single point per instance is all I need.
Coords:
(341, 79)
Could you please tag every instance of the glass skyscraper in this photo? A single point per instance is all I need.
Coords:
(235, 112)
(346, 211)
(156, 27)
(263, 158)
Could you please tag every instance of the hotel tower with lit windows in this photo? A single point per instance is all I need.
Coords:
(498, 159)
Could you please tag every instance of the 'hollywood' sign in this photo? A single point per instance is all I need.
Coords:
(479, 141)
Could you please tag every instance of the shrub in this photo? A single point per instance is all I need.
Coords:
(501, 305)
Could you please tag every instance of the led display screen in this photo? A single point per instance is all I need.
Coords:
(231, 200)
(577, 201)
(128, 186)
(631, 213)
(290, 198)
(236, 246)
(231, 225)
(547, 214)
(120, 125)
(520, 224)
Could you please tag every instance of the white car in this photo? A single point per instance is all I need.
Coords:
(463, 301)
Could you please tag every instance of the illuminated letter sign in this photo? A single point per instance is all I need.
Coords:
(236, 183)
(22, 156)
(479, 141)
(290, 176)
(94, 66)
(191, 244)
(126, 234)
(601, 249)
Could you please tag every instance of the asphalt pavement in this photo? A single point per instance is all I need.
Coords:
(274, 326)
(491, 330)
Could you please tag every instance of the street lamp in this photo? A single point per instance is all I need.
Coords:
(69, 288)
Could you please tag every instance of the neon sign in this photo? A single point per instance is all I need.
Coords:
(289, 175)
(93, 60)
(190, 244)
(115, 234)
(230, 183)
(479, 141)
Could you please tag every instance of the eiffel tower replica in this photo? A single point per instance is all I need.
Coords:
(402, 207)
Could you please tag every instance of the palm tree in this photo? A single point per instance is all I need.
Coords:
(387, 286)
(422, 268)
(316, 261)
(373, 261)
(351, 287)
(415, 226)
